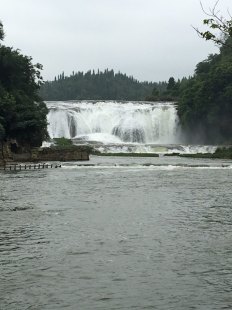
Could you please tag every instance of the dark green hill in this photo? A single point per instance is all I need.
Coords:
(99, 85)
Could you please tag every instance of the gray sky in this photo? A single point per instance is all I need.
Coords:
(149, 39)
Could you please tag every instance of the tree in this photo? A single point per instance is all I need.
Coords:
(220, 29)
(22, 111)
(155, 92)
(1, 31)
(171, 84)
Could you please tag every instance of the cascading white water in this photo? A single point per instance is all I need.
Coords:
(121, 127)
(114, 122)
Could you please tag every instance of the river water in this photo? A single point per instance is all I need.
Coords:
(117, 233)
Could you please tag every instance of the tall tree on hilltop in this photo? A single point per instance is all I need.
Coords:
(1, 31)
(171, 83)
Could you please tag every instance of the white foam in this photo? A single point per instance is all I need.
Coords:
(128, 122)
(150, 167)
(156, 148)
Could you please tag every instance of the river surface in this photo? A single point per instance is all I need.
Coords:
(117, 233)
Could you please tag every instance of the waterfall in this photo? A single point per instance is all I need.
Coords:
(114, 122)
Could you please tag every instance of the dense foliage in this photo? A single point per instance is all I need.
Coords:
(98, 85)
(22, 111)
(168, 91)
(205, 103)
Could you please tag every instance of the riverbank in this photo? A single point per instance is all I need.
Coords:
(64, 153)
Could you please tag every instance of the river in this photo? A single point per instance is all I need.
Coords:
(117, 233)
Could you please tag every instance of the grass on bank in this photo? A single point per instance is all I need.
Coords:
(220, 153)
(60, 142)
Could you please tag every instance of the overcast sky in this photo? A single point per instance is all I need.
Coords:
(149, 39)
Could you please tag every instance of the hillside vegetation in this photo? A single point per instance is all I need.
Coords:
(205, 102)
(99, 85)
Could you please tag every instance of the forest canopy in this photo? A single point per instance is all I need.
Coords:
(97, 85)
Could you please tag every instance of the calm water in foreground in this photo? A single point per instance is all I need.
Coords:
(121, 234)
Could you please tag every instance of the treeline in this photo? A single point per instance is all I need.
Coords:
(100, 85)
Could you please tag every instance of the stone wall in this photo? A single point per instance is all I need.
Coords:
(71, 153)
(61, 154)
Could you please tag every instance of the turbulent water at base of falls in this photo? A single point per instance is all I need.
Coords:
(113, 127)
